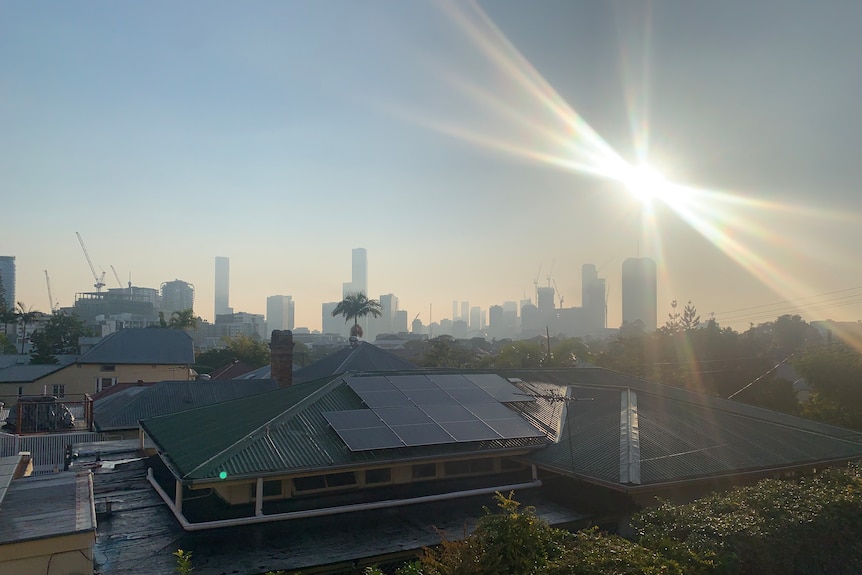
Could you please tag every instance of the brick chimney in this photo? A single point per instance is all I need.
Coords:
(281, 357)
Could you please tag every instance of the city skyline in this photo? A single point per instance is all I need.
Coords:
(461, 135)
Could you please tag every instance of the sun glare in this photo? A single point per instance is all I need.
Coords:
(645, 183)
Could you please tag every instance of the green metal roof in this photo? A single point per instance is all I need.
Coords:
(281, 432)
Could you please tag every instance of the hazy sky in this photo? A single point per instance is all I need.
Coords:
(458, 143)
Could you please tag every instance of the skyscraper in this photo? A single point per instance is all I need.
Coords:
(359, 274)
(177, 296)
(7, 274)
(593, 299)
(639, 292)
(279, 313)
(222, 286)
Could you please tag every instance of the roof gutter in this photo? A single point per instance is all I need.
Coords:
(189, 526)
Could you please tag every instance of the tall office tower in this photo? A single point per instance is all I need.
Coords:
(546, 300)
(7, 274)
(386, 322)
(177, 296)
(639, 292)
(279, 313)
(360, 270)
(222, 286)
(593, 298)
(476, 318)
(332, 324)
(455, 316)
(465, 311)
(400, 322)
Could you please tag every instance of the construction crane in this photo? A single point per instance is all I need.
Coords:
(100, 280)
(119, 283)
(559, 294)
(50, 295)
(536, 284)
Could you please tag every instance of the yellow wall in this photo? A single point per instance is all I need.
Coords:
(66, 555)
(80, 379)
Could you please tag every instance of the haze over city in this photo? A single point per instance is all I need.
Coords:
(463, 145)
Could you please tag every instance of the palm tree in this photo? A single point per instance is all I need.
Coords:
(26, 317)
(183, 319)
(355, 306)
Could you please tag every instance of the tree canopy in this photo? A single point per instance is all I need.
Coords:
(242, 347)
(355, 306)
(58, 336)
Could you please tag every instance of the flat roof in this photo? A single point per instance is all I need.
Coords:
(45, 506)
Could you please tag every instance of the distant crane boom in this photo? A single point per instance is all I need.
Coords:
(119, 283)
(100, 280)
(50, 295)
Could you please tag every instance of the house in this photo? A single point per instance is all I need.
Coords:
(47, 522)
(125, 356)
(384, 439)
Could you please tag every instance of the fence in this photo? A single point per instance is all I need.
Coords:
(46, 451)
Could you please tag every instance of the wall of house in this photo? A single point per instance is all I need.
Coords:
(288, 486)
(50, 556)
(79, 379)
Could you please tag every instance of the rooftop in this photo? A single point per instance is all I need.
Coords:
(142, 346)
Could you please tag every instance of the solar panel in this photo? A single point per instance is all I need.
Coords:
(441, 413)
(514, 428)
(429, 397)
(490, 411)
(451, 381)
(392, 398)
(470, 395)
(370, 438)
(499, 388)
(393, 416)
(353, 419)
(405, 382)
(422, 434)
(469, 430)
(375, 383)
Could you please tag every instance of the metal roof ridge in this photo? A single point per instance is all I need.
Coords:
(630, 450)
(289, 412)
(350, 355)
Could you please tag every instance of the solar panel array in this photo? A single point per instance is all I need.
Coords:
(415, 410)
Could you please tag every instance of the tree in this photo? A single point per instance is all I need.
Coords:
(690, 319)
(183, 319)
(444, 351)
(355, 306)
(242, 347)
(834, 373)
(60, 335)
(26, 316)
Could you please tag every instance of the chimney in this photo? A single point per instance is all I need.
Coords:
(281, 357)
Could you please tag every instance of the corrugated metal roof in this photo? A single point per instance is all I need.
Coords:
(26, 373)
(283, 431)
(142, 346)
(682, 435)
(123, 409)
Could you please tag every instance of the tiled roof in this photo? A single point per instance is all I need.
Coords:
(123, 409)
(283, 431)
(142, 346)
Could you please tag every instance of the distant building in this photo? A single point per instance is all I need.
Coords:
(399, 323)
(279, 313)
(329, 324)
(222, 286)
(241, 323)
(359, 278)
(177, 296)
(593, 299)
(7, 274)
(127, 307)
(639, 292)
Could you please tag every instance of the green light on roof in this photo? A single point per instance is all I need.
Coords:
(222, 475)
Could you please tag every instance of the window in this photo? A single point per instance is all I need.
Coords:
(424, 471)
(469, 466)
(104, 383)
(109, 368)
(59, 390)
(270, 488)
(318, 482)
(20, 391)
(383, 475)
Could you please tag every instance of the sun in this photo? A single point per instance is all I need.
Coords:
(645, 183)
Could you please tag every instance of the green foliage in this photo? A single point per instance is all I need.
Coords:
(774, 527)
(242, 347)
(591, 552)
(58, 336)
(355, 306)
(6, 346)
(444, 351)
(834, 373)
(184, 562)
(182, 319)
